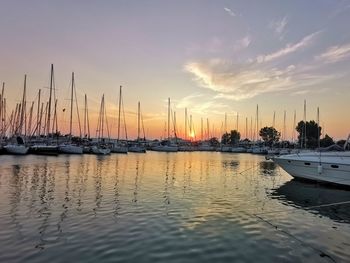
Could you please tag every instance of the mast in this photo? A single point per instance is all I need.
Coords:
(185, 123)
(120, 100)
(49, 105)
(55, 122)
(138, 122)
(284, 126)
(294, 120)
(2, 111)
(71, 107)
(225, 123)
(191, 132)
(174, 123)
(274, 119)
(305, 123)
(257, 122)
(237, 122)
(318, 128)
(168, 118)
(87, 118)
(208, 129)
(30, 119)
(201, 129)
(38, 119)
(246, 127)
(22, 116)
(84, 125)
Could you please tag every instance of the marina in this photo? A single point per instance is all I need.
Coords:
(174, 131)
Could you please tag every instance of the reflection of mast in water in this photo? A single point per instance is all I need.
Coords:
(98, 184)
(166, 183)
(187, 175)
(80, 183)
(16, 184)
(46, 198)
(136, 180)
(116, 189)
(63, 215)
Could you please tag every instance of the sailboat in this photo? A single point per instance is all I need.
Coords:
(118, 147)
(138, 147)
(70, 147)
(46, 147)
(101, 147)
(19, 147)
(167, 146)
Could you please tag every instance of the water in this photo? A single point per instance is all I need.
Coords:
(159, 207)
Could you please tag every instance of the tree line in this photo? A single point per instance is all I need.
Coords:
(309, 136)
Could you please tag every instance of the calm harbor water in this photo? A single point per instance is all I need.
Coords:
(159, 207)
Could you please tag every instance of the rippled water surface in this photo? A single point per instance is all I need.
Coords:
(159, 207)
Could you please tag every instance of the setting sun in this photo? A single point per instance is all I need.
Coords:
(192, 135)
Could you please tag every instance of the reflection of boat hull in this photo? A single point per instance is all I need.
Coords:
(16, 149)
(313, 197)
(329, 168)
(44, 149)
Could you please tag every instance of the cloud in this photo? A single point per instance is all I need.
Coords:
(239, 82)
(197, 103)
(229, 11)
(242, 43)
(279, 26)
(335, 54)
(288, 49)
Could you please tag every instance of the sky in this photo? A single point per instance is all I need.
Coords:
(211, 57)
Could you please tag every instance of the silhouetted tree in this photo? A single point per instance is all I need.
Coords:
(235, 136)
(231, 138)
(269, 135)
(326, 141)
(214, 141)
(225, 139)
(312, 133)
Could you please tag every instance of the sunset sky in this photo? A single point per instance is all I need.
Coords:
(213, 57)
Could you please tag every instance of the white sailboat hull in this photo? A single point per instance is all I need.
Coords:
(100, 151)
(71, 149)
(119, 149)
(137, 149)
(165, 148)
(16, 149)
(327, 167)
(206, 148)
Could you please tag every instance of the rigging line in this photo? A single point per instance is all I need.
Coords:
(305, 208)
(249, 168)
(321, 253)
(126, 133)
(76, 104)
(143, 128)
(107, 123)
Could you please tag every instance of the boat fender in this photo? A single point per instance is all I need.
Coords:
(319, 169)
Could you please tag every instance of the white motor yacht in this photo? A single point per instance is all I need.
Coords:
(329, 167)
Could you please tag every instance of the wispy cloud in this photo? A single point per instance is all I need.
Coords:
(288, 49)
(229, 11)
(279, 26)
(200, 104)
(242, 43)
(335, 54)
(238, 82)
